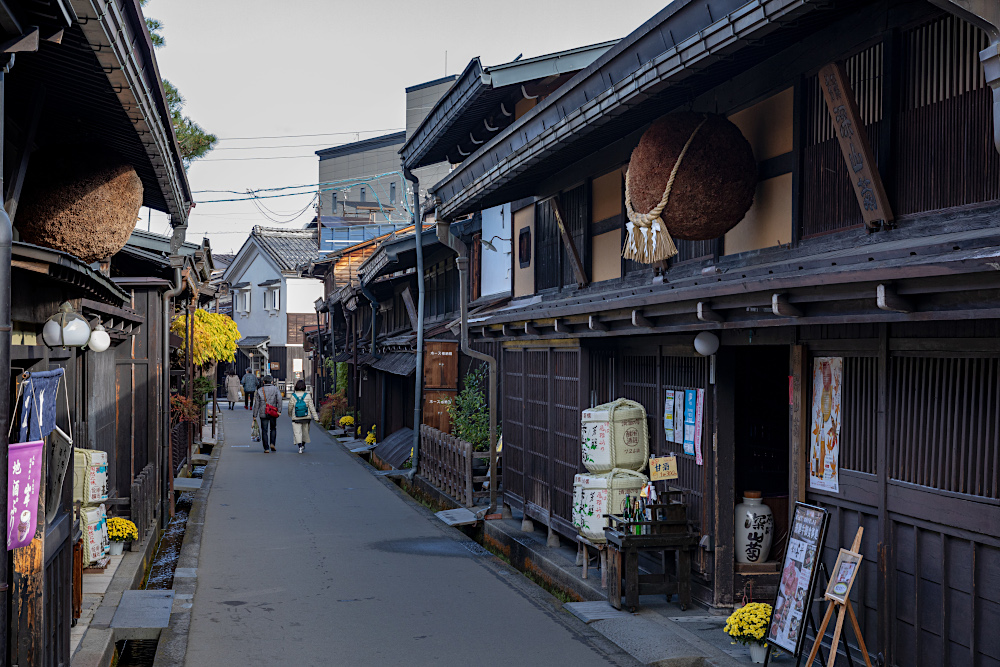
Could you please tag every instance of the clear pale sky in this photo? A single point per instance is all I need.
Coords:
(250, 68)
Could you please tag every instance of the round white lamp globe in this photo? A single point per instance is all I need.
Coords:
(99, 339)
(66, 329)
(706, 343)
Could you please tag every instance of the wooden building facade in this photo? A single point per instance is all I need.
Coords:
(912, 306)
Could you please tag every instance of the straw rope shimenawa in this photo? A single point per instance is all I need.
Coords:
(656, 244)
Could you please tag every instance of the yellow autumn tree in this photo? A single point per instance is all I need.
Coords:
(214, 338)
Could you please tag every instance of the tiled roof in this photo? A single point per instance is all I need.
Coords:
(289, 248)
(253, 341)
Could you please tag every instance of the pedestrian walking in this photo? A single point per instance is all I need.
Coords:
(266, 409)
(250, 387)
(302, 410)
(233, 388)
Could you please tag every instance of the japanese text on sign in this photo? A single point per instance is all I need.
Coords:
(663, 468)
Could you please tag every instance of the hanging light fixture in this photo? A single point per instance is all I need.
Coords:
(67, 328)
(706, 344)
(100, 340)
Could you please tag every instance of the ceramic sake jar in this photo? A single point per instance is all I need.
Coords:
(754, 529)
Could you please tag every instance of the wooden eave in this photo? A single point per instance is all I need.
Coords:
(887, 277)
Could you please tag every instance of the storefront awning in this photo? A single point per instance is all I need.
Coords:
(397, 363)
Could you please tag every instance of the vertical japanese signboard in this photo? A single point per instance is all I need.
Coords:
(24, 472)
(849, 128)
(798, 578)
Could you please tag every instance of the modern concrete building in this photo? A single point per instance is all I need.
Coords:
(345, 200)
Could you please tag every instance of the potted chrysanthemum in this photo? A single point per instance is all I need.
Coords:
(346, 422)
(747, 625)
(120, 531)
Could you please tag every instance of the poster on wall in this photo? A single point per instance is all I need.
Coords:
(668, 415)
(690, 399)
(798, 578)
(699, 416)
(24, 471)
(679, 417)
(824, 439)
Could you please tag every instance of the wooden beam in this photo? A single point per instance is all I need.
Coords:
(28, 42)
(13, 194)
(411, 310)
(530, 329)
(640, 320)
(596, 324)
(781, 307)
(706, 314)
(574, 256)
(887, 299)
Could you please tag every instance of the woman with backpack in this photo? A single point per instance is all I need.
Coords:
(302, 411)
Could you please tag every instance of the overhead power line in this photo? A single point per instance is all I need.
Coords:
(322, 134)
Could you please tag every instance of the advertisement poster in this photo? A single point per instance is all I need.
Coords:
(798, 574)
(824, 439)
(690, 398)
(668, 415)
(679, 417)
(24, 470)
(699, 416)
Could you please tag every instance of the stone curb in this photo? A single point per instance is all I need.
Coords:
(97, 646)
(172, 647)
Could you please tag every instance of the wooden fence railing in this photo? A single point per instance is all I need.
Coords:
(143, 502)
(178, 447)
(448, 464)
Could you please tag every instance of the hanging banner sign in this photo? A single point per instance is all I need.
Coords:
(824, 439)
(668, 415)
(690, 398)
(698, 419)
(663, 468)
(24, 473)
(849, 128)
(38, 410)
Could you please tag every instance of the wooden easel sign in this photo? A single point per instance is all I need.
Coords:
(838, 592)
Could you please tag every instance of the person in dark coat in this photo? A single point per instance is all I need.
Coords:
(250, 386)
(268, 395)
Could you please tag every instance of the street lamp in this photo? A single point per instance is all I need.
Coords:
(99, 339)
(67, 328)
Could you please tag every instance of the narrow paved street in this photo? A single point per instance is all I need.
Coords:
(312, 560)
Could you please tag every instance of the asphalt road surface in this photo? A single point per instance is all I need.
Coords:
(312, 560)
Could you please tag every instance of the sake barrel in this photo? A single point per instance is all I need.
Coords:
(615, 435)
(602, 494)
(95, 533)
(90, 476)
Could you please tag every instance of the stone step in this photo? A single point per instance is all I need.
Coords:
(200, 459)
(186, 484)
(142, 614)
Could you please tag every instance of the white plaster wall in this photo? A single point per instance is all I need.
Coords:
(300, 294)
(496, 278)
(259, 322)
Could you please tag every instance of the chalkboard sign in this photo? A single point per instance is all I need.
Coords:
(787, 628)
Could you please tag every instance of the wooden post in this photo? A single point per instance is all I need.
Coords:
(798, 425)
(574, 255)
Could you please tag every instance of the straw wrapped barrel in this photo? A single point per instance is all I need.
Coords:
(694, 174)
(80, 200)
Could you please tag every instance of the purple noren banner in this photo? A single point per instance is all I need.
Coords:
(23, 481)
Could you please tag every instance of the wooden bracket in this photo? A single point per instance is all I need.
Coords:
(28, 42)
(574, 256)
(530, 329)
(596, 324)
(887, 299)
(706, 314)
(640, 320)
(509, 330)
(781, 307)
(563, 327)
(486, 332)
